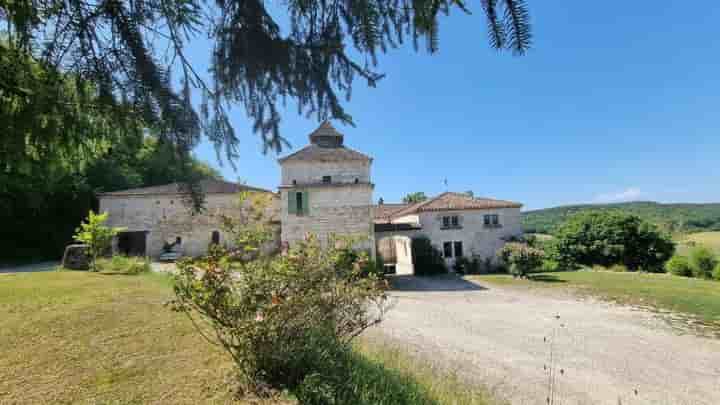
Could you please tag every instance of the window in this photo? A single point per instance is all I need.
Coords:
(298, 202)
(326, 179)
(458, 248)
(215, 238)
(451, 222)
(447, 249)
(294, 182)
(492, 220)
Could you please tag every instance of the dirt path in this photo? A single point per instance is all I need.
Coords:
(602, 353)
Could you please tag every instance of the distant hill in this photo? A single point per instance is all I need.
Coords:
(671, 217)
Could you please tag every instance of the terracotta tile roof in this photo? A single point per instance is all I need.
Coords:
(326, 145)
(209, 186)
(317, 153)
(455, 201)
(383, 212)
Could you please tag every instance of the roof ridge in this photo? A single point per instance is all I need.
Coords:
(415, 206)
(175, 188)
(471, 203)
(316, 149)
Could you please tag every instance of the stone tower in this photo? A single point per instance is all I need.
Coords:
(326, 189)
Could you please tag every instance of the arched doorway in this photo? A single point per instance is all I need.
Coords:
(396, 254)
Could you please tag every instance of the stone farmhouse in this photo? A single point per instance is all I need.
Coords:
(325, 189)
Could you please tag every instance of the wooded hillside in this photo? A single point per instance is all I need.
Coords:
(670, 217)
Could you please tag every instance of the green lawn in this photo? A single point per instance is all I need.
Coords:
(711, 240)
(79, 337)
(700, 298)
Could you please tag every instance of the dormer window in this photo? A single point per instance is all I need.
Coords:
(326, 179)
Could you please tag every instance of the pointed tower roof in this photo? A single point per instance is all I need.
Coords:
(326, 136)
(326, 145)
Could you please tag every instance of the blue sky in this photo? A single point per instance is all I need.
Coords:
(616, 101)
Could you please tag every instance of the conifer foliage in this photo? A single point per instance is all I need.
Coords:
(262, 54)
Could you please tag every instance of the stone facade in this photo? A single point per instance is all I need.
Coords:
(312, 172)
(165, 217)
(326, 189)
(477, 239)
(467, 226)
(340, 210)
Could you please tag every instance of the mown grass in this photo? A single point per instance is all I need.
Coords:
(711, 240)
(384, 374)
(700, 298)
(81, 337)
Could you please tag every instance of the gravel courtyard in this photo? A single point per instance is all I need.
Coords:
(504, 337)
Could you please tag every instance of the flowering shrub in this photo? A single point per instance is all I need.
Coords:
(285, 320)
(520, 258)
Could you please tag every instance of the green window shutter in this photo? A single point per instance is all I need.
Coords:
(291, 202)
(306, 203)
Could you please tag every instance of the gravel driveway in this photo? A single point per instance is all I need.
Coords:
(602, 353)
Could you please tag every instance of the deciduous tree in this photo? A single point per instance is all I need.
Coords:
(414, 197)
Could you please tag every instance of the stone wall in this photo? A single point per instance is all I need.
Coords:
(166, 217)
(333, 209)
(477, 239)
(303, 172)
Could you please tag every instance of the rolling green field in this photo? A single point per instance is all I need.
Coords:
(699, 298)
(79, 337)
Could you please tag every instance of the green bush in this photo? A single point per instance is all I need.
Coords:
(123, 265)
(475, 266)
(618, 268)
(550, 265)
(427, 259)
(520, 258)
(96, 236)
(702, 262)
(679, 265)
(462, 265)
(286, 320)
(606, 238)
(716, 272)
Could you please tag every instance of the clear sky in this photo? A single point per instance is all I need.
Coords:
(616, 101)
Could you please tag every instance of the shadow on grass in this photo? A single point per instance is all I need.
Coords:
(545, 278)
(365, 381)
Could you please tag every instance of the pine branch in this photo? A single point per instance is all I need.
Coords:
(517, 24)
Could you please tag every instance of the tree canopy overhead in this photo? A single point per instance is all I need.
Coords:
(129, 51)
